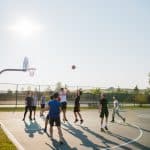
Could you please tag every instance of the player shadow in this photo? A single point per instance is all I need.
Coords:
(32, 127)
(56, 145)
(84, 139)
(104, 140)
(145, 130)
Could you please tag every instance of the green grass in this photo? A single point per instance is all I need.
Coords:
(21, 109)
(5, 143)
(135, 107)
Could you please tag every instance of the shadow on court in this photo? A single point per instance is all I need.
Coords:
(84, 139)
(32, 127)
(104, 140)
(57, 146)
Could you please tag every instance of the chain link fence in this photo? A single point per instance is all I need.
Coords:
(14, 94)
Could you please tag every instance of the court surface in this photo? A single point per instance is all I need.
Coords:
(134, 134)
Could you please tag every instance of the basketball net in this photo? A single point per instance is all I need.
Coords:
(31, 71)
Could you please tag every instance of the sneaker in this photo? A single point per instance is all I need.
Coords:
(106, 128)
(30, 119)
(81, 121)
(124, 119)
(76, 121)
(33, 118)
(102, 130)
(112, 121)
(23, 119)
(61, 142)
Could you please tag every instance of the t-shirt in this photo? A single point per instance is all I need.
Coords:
(63, 96)
(77, 101)
(35, 99)
(43, 100)
(54, 111)
(116, 104)
(104, 103)
(29, 101)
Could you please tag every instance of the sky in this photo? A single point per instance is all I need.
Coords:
(108, 41)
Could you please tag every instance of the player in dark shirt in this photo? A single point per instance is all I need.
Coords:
(28, 103)
(77, 107)
(103, 109)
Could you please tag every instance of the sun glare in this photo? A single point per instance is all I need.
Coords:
(25, 27)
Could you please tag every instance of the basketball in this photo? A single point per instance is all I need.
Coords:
(73, 67)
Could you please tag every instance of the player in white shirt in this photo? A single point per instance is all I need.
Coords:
(35, 100)
(63, 101)
(116, 110)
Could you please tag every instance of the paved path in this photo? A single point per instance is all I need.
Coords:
(81, 137)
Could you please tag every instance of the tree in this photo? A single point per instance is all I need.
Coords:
(141, 99)
(136, 90)
(96, 91)
(119, 90)
(9, 92)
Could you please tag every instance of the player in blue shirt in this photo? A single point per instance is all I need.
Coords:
(54, 108)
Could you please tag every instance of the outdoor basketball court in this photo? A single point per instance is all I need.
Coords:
(134, 134)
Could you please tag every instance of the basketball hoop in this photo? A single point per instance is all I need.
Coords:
(31, 71)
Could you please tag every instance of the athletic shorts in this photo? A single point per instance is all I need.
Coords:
(42, 105)
(77, 109)
(63, 105)
(104, 113)
(55, 120)
(34, 108)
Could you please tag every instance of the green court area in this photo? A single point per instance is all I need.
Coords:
(5, 143)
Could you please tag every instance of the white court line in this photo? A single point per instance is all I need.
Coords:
(11, 137)
(129, 142)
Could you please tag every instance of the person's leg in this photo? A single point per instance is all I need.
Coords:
(117, 112)
(60, 134)
(41, 111)
(113, 115)
(51, 121)
(102, 118)
(34, 112)
(76, 118)
(81, 119)
(51, 131)
(30, 109)
(58, 124)
(26, 110)
(46, 122)
(65, 109)
(106, 117)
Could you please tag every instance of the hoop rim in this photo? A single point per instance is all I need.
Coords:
(28, 69)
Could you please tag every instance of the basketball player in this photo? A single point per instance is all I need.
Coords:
(103, 109)
(63, 101)
(116, 110)
(77, 107)
(28, 105)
